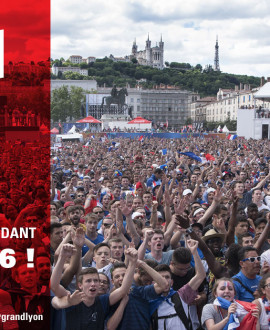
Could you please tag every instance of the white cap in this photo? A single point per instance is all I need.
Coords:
(136, 214)
(210, 190)
(186, 192)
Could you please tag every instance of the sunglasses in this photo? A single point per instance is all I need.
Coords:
(99, 212)
(107, 225)
(252, 259)
(267, 286)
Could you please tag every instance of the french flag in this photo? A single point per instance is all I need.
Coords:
(92, 136)
(243, 309)
(141, 138)
(231, 137)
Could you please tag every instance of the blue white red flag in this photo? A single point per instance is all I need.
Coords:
(231, 137)
(244, 310)
(141, 138)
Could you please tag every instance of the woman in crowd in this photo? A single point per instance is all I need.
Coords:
(216, 316)
(263, 303)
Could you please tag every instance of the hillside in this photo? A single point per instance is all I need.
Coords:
(205, 82)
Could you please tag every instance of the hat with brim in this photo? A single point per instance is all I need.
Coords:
(212, 234)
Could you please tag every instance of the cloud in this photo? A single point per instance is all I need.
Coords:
(189, 30)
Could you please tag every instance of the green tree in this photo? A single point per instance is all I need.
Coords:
(69, 75)
(188, 121)
(65, 103)
(77, 98)
(60, 104)
(134, 60)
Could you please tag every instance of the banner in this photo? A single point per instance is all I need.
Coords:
(25, 165)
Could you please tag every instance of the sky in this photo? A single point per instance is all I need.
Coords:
(189, 29)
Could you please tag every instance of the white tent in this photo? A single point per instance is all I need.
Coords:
(72, 130)
(263, 93)
(225, 129)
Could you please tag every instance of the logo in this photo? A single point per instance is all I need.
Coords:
(1, 53)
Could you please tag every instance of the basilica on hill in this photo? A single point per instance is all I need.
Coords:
(152, 56)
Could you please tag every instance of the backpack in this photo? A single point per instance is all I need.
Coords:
(180, 312)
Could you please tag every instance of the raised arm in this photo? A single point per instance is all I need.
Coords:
(68, 300)
(264, 235)
(131, 256)
(154, 218)
(232, 222)
(261, 183)
(169, 232)
(148, 234)
(213, 264)
(209, 212)
(167, 207)
(127, 213)
(197, 280)
(66, 251)
(160, 283)
(78, 239)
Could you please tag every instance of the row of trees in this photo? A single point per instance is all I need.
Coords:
(206, 82)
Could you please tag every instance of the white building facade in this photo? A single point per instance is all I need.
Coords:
(63, 69)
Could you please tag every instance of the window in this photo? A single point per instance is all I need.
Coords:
(244, 98)
(138, 100)
(132, 100)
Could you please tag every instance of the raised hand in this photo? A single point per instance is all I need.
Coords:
(78, 237)
(131, 255)
(218, 195)
(75, 298)
(220, 225)
(148, 234)
(126, 211)
(182, 221)
(192, 245)
(180, 208)
(154, 205)
(67, 251)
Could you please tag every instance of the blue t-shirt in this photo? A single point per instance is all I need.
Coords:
(83, 317)
(99, 239)
(137, 312)
(241, 293)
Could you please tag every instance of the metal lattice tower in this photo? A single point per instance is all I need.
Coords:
(216, 60)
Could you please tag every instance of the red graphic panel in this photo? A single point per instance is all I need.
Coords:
(25, 166)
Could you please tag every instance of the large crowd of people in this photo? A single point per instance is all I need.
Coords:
(150, 234)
